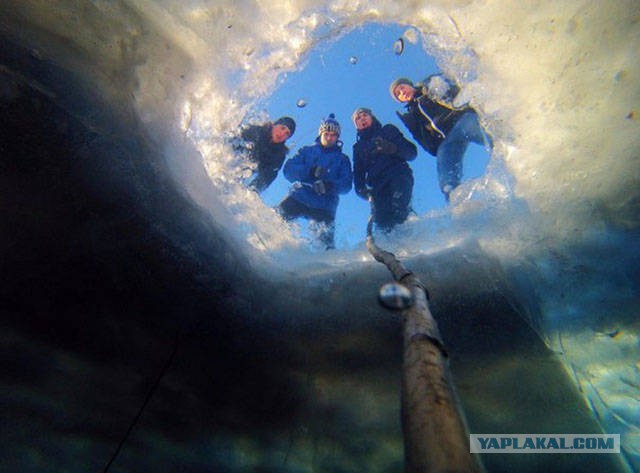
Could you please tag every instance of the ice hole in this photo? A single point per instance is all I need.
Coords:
(339, 76)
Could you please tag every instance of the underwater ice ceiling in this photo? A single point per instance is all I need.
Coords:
(556, 84)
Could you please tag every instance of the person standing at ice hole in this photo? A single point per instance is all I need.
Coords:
(380, 168)
(319, 173)
(441, 128)
(265, 146)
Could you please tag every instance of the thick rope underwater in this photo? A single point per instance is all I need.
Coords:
(436, 438)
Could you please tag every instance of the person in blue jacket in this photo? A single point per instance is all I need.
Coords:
(443, 129)
(380, 168)
(319, 173)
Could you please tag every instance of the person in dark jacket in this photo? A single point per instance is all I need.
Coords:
(265, 146)
(319, 174)
(441, 128)
(380, 168)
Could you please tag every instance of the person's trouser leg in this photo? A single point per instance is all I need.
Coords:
(452, 149)
(382, 208)
(326, 234)
(290, 209)
(392, 201)
(326, 226)
(401, 190)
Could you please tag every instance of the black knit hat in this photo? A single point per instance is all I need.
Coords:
(288, 122)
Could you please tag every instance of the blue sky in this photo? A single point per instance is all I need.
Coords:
(338, 77)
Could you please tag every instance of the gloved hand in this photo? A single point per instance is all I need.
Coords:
(319, 187)
(364, 192)
(318, 172)
(383, 146)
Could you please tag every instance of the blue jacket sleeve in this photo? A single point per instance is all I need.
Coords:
(298, 167)
(406, 149)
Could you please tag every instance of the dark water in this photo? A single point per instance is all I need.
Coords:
(110, 274)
